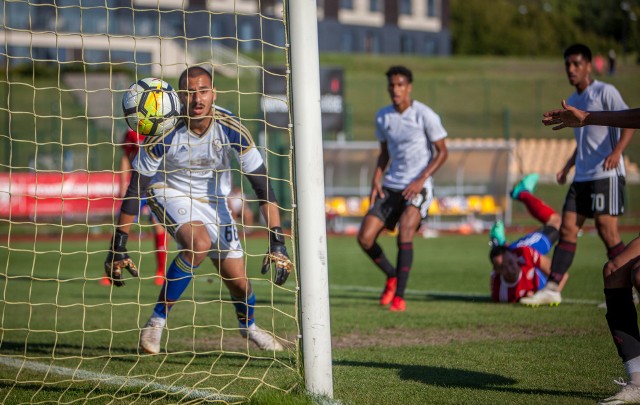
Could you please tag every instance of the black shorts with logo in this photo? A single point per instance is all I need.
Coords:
(390, 207)
(596, 197)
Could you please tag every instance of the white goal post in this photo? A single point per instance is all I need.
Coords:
(307, 127)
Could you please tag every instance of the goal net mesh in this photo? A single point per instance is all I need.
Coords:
(65, 337)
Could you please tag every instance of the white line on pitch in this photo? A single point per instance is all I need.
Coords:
(119, 381)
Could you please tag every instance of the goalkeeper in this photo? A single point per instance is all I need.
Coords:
(521, 268)
(187, 177)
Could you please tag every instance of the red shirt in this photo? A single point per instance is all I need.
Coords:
(131, 144)
(528, 259)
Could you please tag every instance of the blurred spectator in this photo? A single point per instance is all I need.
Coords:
(612, 62)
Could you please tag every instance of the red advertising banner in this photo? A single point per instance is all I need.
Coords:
(68, 195)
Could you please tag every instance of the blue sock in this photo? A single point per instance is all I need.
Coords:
(244, 310)
(178, 277)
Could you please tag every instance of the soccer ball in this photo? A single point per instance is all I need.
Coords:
(151, 107)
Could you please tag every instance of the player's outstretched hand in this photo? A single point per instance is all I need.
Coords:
(566, 117)
(278, 256)
(118, 259)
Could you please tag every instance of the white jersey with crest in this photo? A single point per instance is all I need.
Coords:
(409, 137)
(594, 142)
(199, 165)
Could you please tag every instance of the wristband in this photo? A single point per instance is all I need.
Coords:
(119, 241)
(276, 236)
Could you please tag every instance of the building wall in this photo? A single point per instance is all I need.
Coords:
(367, 26)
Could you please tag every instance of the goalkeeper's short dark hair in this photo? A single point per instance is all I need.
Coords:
(193, 71)
(400, 70)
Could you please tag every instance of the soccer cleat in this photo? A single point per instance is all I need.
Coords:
(545, 296)
(263, 339)
(629, 394)
(389, 291)
(150, 336)
(528, 183)
(497, 235)
(398, 304)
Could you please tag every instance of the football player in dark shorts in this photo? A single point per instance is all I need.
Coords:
(412, 145)
(597, 190)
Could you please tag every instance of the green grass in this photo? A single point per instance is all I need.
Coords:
(451, 345)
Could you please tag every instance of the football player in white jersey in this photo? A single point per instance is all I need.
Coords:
(623, 271)
(597, 190)
(187, 176)
(412, 148)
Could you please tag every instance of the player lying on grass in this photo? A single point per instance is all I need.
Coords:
(521, 268)
(620, 273)
(187, 177)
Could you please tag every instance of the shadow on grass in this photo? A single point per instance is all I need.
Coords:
(457, 378)
(361, 294)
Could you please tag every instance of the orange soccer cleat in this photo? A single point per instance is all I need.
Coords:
(398, 304)
(389, 291)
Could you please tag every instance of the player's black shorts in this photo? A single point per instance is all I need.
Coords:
(392, 205)
(596, 197)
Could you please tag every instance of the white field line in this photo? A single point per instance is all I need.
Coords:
(119, 381)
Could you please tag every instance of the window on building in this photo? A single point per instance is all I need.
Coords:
(429, 46)
(348, 41)
(431, 8)
(145, 22)
(17, 16)
(346, 4)
(246, 34)
(94, 19)
(371, 43)
(375, 5)
(406, 44)
(405, 7)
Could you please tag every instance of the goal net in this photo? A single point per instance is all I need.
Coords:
(64, 336)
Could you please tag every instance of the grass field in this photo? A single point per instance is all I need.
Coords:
(451, 345)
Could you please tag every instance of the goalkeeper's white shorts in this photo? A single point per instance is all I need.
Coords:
(174, 208)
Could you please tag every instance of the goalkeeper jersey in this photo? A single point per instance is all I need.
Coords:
(594, 142)
(199, 165)
(409, 137)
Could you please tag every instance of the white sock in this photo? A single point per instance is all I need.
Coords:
(633, 370)
(158, 319)
(552, 286)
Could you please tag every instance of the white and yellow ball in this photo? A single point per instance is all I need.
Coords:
(151, 107)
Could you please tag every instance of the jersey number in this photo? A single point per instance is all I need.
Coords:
(597, 202)
(230, 233)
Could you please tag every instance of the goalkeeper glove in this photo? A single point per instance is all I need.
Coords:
(119, 259)
(278, 256)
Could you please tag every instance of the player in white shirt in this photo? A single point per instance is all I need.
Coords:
(187, 176)
(597, 190)
(412, 145)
